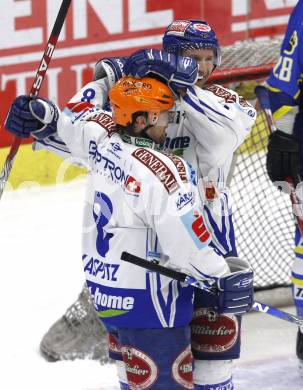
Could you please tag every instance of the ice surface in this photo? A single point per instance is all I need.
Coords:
(41, 275)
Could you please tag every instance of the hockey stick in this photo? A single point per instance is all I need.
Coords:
(47, 55)
(262, 95)
(182, 277)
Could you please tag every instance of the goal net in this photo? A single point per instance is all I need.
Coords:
(264, 224)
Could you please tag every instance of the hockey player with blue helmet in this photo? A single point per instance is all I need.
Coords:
(183, 35)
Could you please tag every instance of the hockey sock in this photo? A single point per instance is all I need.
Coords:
(213, 374)
(122, 375)
(227, 385)
(124, 386)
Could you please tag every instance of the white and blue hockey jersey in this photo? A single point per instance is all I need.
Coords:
(130, 207)
(209, 125)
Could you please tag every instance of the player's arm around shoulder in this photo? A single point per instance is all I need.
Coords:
(92, 94)
(173, 209)
(243, 113)
(83, 135)
(106, 73)
(221, 108)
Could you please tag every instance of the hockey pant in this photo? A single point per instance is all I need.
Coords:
(215, 341)
(158, 359)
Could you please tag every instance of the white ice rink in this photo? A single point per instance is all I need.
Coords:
(41, 275)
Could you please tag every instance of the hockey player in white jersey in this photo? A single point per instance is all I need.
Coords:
(213, 122)
(134, 198)
(210, 123)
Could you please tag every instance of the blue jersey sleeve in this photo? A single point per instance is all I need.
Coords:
(286, 76)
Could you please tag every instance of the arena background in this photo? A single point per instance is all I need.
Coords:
(96, 29)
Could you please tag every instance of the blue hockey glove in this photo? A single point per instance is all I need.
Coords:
(28, 117)
(180, 72)
(236, 290)
(110, 67)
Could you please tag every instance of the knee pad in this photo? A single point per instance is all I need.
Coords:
(213, 374)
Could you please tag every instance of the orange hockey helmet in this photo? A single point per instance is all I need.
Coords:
(130, 95)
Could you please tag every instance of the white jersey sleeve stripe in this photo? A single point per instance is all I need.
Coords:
(153, 291)
(194, 105)
(207, 106)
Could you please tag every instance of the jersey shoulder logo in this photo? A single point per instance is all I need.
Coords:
(178, 163)
(158, 168)
(104, 120)
(222, 93)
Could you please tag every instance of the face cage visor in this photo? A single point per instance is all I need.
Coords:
(195, 46)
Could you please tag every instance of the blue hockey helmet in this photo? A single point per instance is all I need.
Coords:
(189, 35)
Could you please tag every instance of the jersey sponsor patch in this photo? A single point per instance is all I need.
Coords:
(105, 121)
(114, 305)
(194, 224)
(184, 199)
(177, 144)
(113, 344)
(132, 186)
(182, 369)
(243, 102)
(178, 163)
(106, 166)
(115, 149)
(230, 97)
(99, 269)
(222, 93)
(141, 369)
(210, 190)
(213, 333)
(178, 27)
(158, 168)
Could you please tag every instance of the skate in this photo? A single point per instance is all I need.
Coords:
(299, 349)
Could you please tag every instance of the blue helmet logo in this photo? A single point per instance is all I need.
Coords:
(190, 35)
(102, 212)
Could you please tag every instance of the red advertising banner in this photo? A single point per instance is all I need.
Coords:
(236, 20)
(100, 28)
